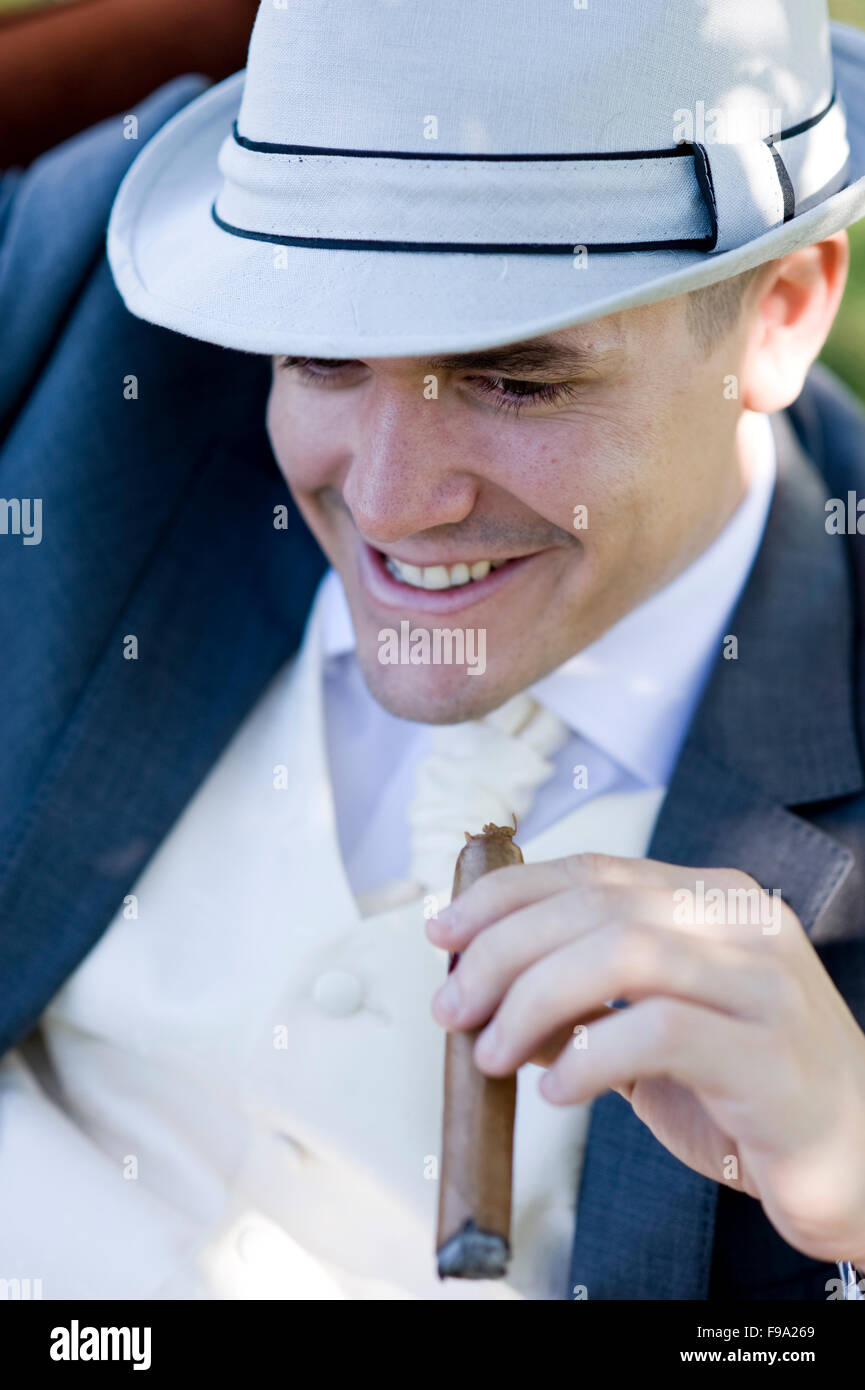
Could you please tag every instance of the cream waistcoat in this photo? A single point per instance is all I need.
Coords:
(258, 1060)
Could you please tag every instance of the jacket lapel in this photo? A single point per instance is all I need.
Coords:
(775, 729)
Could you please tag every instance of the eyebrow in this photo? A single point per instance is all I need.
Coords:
(539, 354)
(547, 355)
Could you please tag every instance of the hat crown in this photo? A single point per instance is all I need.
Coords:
(499, 76)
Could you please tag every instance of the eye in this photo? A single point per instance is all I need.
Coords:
(505, 393)
(319, 371)
(508, 393)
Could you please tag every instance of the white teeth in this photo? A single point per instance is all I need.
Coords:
(411, 574)
(439, 576)
(436, 577)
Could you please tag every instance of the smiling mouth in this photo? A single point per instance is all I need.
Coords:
(396, 584)
(439, 577)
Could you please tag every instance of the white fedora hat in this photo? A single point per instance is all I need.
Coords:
(395, 177)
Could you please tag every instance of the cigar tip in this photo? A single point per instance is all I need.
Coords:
(473, 1254)
(506, 830)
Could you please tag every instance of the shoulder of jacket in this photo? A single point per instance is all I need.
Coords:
(54, 215)
(75, 182)
(830, 421)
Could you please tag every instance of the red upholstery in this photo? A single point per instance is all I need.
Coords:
(63, 68)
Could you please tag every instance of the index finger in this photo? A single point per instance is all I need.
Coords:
(507, 890)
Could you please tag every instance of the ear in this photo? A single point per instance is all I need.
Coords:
(788, 312)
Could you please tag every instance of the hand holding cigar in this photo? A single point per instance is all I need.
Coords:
(474, 1217)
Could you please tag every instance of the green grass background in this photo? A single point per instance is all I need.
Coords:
(10, 5)
(845, 350)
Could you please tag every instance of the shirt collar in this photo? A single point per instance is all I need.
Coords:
(634, 690)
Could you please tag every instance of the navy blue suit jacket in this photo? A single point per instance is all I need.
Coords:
(157, 517)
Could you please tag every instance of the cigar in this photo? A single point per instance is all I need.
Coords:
(474, 1216)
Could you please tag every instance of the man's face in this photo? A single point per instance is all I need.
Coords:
(484, 458)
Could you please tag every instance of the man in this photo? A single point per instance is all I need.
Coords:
(586, 566)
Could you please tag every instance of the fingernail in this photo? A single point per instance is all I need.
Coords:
(550, 1086)
(488, 1042)
(447, 1001)
(444, 919)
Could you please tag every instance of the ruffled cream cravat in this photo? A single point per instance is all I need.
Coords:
(478, 771)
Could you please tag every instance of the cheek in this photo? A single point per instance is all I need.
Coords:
(591, 476)
(307, 454)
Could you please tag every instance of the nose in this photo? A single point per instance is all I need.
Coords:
(410, 467)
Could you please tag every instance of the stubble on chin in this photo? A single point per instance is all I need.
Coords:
(428, 695)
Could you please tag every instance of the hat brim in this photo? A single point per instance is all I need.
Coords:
(176, 268)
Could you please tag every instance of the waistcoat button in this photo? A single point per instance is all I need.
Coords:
(337, 993)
